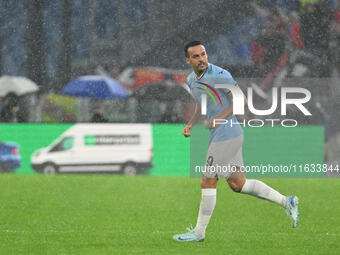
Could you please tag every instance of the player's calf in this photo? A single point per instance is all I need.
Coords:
(236, 180)
(236, 184)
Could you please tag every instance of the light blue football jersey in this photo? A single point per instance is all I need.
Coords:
(215, 75)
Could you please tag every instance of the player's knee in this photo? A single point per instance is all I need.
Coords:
(209, 183)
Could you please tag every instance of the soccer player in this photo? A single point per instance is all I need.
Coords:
(225, 144)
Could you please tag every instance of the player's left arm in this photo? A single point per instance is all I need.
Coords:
(225, 114)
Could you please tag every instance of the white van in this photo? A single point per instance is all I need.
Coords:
(97, 148)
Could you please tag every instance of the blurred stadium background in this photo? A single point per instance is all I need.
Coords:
(139, 44)
(135, 47)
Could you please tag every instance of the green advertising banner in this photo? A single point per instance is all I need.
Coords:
(298, 147)
(30, 137)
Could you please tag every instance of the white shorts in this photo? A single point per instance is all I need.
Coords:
(223, 158)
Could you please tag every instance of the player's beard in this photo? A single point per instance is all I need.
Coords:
(201, 68)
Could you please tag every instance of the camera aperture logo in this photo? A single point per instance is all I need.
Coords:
(239, 99)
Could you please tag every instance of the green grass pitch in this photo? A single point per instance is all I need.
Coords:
(91, 214)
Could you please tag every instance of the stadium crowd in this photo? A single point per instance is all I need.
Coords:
(305, 32)
(298, 38)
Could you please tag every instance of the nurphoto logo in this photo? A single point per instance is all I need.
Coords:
(238, 104)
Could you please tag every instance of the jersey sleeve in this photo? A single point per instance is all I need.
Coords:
(224, 77)
(188, 81)
(188, 85)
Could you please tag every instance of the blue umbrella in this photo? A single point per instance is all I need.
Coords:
(98, 87)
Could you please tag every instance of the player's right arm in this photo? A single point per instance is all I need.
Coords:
(194, 119)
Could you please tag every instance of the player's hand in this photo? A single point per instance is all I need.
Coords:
(186, 130)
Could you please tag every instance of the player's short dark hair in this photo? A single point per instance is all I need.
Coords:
(191, 44)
